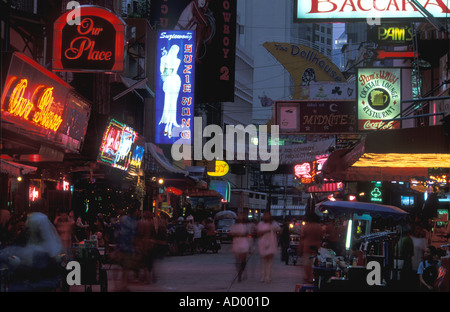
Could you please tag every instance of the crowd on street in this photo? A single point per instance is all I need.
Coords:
(32, 245)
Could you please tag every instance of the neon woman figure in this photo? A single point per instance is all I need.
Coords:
(171, 87)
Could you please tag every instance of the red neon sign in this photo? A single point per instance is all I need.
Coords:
(96, 44)
(44, 111)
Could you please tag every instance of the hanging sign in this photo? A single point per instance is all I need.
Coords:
(121, 147)
(174, 95)
(38, 104)
(341, 10)
(379, 98)
(221, 169)
(96, 44)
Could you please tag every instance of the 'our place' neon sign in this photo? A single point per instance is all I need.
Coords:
(95, 44)
(38, 108)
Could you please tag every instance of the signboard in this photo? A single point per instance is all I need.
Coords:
(121, 147)
(391, 34)
(341, 10)
(221, 169)
(299, 153)
(379, 98)
(332, 91)
(96, 44)
(305, 65)
(174, 96)
(38, 104)
(214, 23)
(295, 117)
(306, 172)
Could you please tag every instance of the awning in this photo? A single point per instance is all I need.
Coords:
(341, 208)
(162, 160)
(391, 155)
(15, 169)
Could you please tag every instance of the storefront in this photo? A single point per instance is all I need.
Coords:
(43, 120)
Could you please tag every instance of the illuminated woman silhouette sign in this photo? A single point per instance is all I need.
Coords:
(175, 86)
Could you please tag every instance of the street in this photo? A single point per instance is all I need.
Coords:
(208, 273)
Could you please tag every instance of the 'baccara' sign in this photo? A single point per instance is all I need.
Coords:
(95, 44)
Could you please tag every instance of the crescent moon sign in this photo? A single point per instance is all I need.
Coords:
(333, 107)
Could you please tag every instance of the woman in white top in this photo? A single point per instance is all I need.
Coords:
(267, 244)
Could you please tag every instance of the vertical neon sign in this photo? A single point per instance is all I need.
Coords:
(175, 86)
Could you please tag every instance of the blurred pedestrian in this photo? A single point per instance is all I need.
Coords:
(267, 244)
(310, 242)
(198, 229)
(144, 243)
(127, 246)
(285, 239)
(35, 266)
(64, 227)
(241, 243)
(442, 283)
(404, 252)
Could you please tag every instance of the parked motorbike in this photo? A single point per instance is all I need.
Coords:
(210, 243)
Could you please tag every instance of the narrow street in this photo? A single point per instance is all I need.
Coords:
(208, 273)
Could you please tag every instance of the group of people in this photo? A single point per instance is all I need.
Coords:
(423, 266)
(266, 233)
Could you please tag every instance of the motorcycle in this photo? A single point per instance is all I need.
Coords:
(210, 243)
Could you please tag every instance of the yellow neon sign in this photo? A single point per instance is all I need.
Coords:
(21, 106)
(222, 169)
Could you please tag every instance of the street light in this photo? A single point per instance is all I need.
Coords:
(430, 18)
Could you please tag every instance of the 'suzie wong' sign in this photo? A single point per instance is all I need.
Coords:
(379, 98)
(95, 44)
(366, 9)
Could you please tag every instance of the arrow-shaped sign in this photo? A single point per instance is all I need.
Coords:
(381, 54)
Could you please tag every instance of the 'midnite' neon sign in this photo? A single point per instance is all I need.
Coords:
(39, 108)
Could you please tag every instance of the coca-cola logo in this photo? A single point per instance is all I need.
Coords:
(378, 124)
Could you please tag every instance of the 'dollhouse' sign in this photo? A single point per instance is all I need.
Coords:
(95, 44)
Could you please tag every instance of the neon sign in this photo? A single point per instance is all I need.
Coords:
(96, 44)
(174, 95)
(307, 171)
(121, 147)
(45, 113)
(221, 169)
(39, 105)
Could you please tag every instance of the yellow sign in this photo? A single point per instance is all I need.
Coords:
(221, 169)
(305, 65)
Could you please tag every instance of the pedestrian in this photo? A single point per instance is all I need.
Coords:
(405, 251)
(65, 226)
(310, 242)
(34, 267)
(127, 246)
(198, 229)
(241, 243)
(144, 243)
(285, 238)
(267, 230)
(429, 269)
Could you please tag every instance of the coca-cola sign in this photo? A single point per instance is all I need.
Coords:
(379, 98)
(94, 44)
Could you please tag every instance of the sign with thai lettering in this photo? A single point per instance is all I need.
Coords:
(339, 10)
(379, 98)
(122, 147)
(314, 116)
(96, 44)
(174, 95)
(38, 104)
